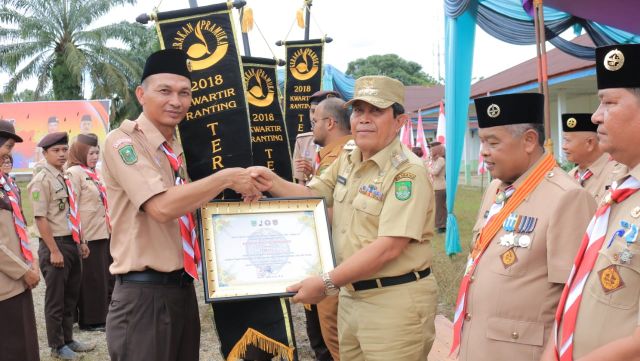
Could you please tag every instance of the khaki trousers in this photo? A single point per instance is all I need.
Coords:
(328, 315)
(389, 323)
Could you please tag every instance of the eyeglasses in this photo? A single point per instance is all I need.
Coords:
(313, 122)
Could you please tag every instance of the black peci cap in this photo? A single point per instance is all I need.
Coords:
(172, 61)
(578, 122)
(510, 109)
(617, 66)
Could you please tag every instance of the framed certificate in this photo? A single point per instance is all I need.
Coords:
(258, 249)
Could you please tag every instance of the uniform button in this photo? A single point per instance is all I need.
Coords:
(343, 231)
(473, 278)
(467, 316)
(515, 335)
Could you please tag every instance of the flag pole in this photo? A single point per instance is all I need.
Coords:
(543, 83)
(307, 7)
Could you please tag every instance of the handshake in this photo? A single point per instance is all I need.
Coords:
(251, 182)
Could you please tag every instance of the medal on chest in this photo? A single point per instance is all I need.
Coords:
(629, 233)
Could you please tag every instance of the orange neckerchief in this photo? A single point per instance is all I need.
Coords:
(495, 223)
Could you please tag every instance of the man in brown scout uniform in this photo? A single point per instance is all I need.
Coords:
(332, 132)
(528, 229)
(153, 314)
(60, 246)
(19, 272)
(382, 230)
(438, 171)
(598, 316)
(304, 152)
(594, 168)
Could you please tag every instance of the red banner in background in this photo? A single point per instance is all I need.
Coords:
(34, 120)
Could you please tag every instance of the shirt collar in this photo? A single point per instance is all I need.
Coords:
(154, 137)
(55, 171)
(381, 158)
(599, 164)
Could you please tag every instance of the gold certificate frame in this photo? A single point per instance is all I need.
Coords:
(257, 249)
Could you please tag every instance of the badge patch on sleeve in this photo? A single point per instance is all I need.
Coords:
(128, 154)
(403, 190)
(35, 195)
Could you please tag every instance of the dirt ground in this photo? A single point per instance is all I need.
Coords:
(209, 344)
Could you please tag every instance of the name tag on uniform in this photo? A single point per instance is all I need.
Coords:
(342, 180)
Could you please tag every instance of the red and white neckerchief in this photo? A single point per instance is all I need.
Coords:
(74, 216)
(190, 245)
(567, 312)
(18, 219)
(582, 177)
(102, 190)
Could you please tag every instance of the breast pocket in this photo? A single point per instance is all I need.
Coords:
(59, 201)
(366, 216)
(622, 283)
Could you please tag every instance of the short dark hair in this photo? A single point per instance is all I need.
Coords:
(334, 107)
(518, 130)
(398, 109)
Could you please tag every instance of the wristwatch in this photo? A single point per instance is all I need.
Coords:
(330, 289)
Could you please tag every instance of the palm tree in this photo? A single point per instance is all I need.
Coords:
(54, 42)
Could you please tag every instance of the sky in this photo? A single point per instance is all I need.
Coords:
(412, 29)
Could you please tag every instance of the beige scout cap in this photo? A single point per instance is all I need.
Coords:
(379, 91)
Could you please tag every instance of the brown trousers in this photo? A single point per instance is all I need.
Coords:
(18, 330)
(63, 290)
(441, 208)
(153, 322)
(328, 314)
(97, 284)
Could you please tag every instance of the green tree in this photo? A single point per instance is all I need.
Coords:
(55, 42)
(408, 72)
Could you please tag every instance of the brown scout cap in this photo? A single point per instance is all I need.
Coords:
(7, 130)
(88, 139)
(379, 91)
(52, 139)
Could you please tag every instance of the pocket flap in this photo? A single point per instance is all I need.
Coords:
(524, 332)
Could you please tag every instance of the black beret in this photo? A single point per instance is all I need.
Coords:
(617, 66)
(578, 122)
(172, 61)
(7, 130)
(510, 109)
(52, 139)
(88, 139)
(321, 95)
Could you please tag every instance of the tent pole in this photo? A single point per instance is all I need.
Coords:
(542, 52)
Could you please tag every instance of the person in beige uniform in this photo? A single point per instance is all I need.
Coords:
(18, 274)
(437, 170)
(594, 168)
(382, 229)
(516, 283)
(153, 313)
(332, 132)
(60, 255)
(97, 282)
(304, 152)
(608, 315)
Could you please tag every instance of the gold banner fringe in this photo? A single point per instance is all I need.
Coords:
(252, 337)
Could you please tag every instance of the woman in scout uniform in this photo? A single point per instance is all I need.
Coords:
(528, 229)
(97, 282)
(598, 315)
(60, 249)
(437, 170)
(19, 271)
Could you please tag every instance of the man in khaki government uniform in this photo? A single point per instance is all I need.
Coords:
(305, 149)
(598, 318)
(382, 230)
(437, 170)
(331, 131)
(153, 314)
(528, 229)
(594, 168)
(19, 272)
(59, 251)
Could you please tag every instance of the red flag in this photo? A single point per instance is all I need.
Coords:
(441, 131)
(406, 134)
(482, 167)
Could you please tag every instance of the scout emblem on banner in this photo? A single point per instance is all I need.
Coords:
(304, 77)
(215, 133)
(268, 132)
